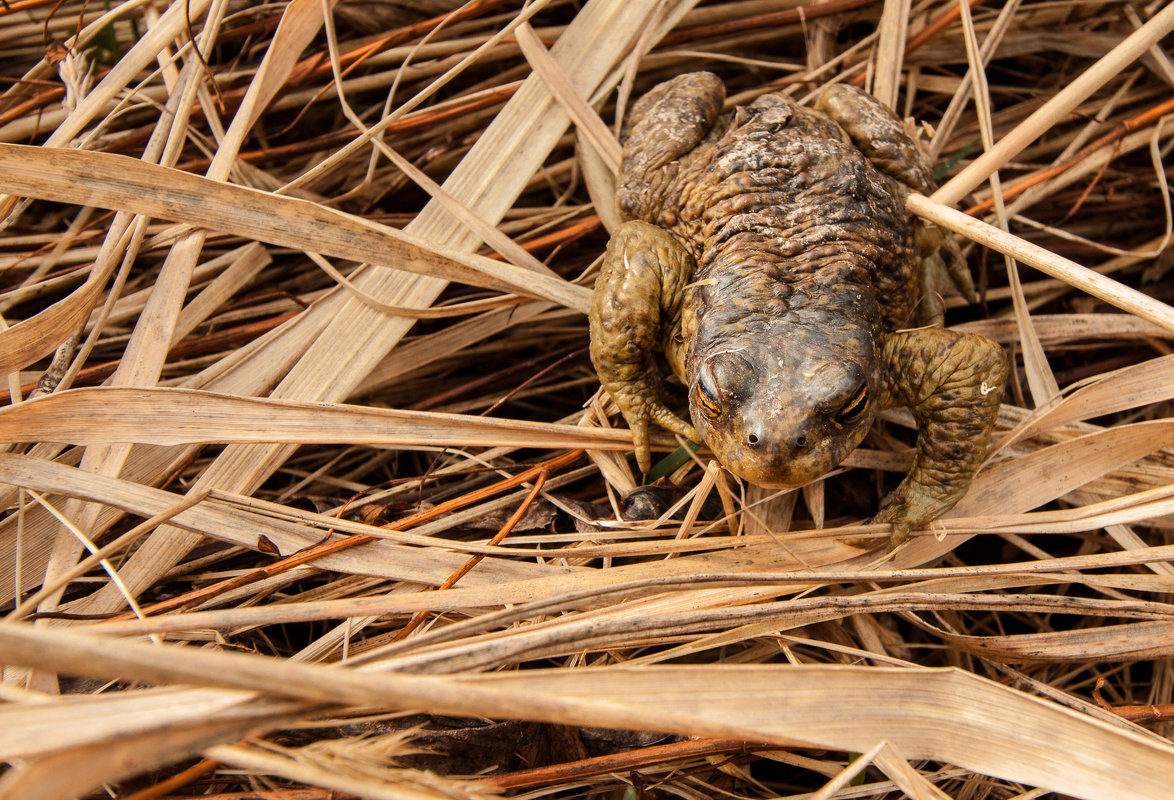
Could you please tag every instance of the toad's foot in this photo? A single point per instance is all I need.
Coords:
(636, 310)
(943, 271)
(953, 384)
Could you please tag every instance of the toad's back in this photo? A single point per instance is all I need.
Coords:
(782, 212)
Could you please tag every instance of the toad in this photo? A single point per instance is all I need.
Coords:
(767, 257)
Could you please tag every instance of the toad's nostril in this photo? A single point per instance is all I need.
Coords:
(800, 441)
(752, 439)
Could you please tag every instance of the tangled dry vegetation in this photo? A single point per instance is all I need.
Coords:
(309, 491)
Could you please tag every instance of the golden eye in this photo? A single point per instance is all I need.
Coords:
(854, 409)
(708, 398)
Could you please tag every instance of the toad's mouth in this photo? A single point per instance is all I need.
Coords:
(782, 487)
(780, 476)
(761, 457)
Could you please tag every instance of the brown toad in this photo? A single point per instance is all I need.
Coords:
(767, 253)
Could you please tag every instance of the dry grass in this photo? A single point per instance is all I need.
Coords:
(309, 491)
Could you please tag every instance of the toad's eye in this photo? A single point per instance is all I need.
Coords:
(854, 409)
(707, 395)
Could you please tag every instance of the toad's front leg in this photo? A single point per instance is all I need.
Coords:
(635, 311)
(953, 384)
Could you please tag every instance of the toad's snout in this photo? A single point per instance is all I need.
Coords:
(779, 428)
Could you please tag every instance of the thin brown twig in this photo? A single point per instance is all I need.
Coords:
(318, 65)
(176, 781)
(1113, 137)
(621, 762)
(510, 524)
(310, 554)
(759, 21)
(414, 121)
(24, 5)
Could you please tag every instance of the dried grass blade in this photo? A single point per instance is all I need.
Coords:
(1083, 278)
(121, 183)
(426, 349)
(600, 180)
(32, 339)
(74, 772)
(1025, 482)
(146, 351)
(893, 763)
(429, 566)
(942, 714)
(1149, 382)
(172, 24)
(249, 261)
(1136, 641)
(843, 779)
(1019, 484)
(299, 24)
(493, 236)
(796, 707)
(38, 728)
(392, 784)
(583, 589)
(582, 114)
(353, 337)
(1040, 379)
(1051, 112)
(48, 588)
(894, 23)
(162, 416)
(1056, 329)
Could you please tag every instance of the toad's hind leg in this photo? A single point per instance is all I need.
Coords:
(665, 124)
(878, 133)
(953, 384)
(635, 311)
